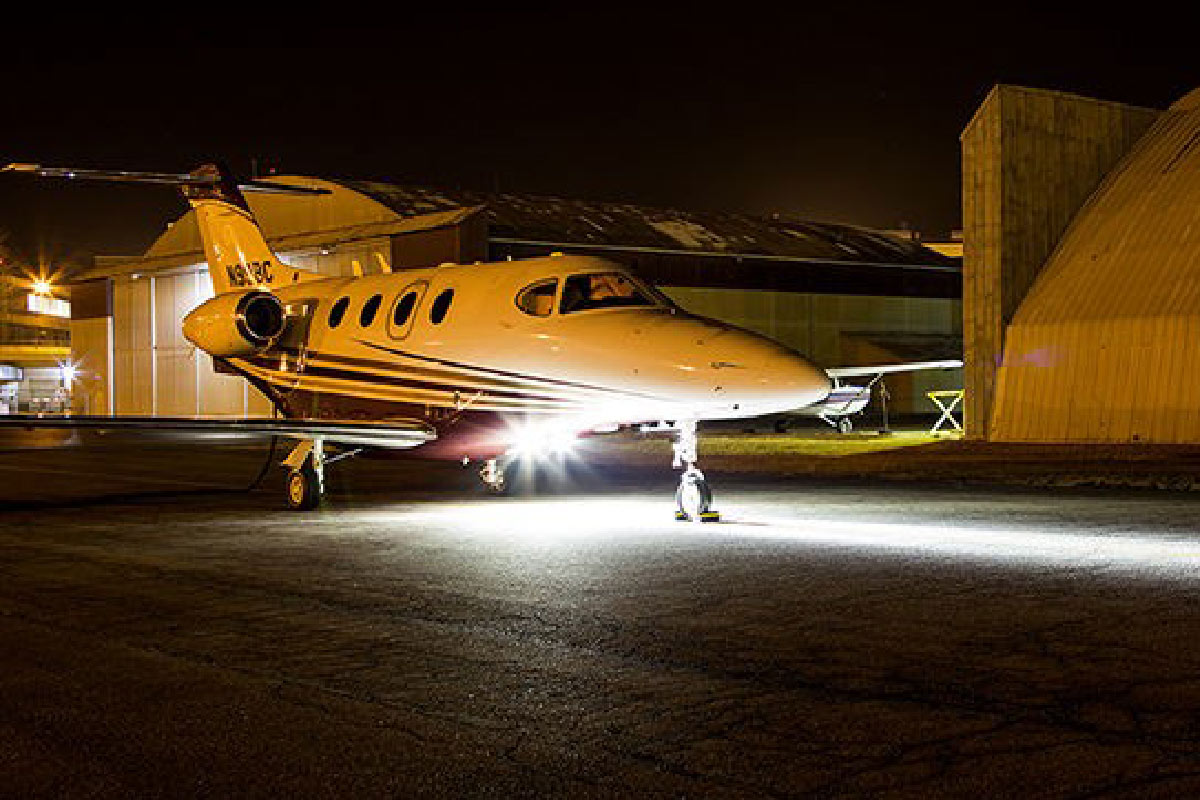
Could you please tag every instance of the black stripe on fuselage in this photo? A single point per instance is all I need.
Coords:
(455, 379)
(505, 374)
(411, 383)
(385, 373)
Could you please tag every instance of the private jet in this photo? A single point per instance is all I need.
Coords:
(484, 363)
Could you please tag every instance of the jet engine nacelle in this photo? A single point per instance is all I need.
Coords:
(236, 324)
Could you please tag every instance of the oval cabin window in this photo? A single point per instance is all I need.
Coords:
(404, 309)
(369, 310)
(338, 311)
(538, 300)
(437, 312)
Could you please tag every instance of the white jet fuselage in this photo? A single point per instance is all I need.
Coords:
(512, 338)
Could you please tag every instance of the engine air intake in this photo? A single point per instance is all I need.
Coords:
(236, 325)
(260, 317)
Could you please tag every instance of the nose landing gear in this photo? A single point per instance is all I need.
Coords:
(693, 498)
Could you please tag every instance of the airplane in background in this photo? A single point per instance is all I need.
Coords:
(486, 362)
(846, 400)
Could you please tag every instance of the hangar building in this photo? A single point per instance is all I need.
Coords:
(843, 295)
(1082, 269)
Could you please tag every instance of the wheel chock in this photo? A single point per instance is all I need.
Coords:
(710, 516)
(681, 517)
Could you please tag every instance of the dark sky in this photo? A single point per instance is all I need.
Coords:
(851, 115)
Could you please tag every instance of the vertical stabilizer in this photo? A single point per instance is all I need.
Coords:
(237, 252)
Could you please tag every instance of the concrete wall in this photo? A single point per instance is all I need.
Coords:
(1030, 160)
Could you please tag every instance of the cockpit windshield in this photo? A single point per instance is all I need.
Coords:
(603, 290)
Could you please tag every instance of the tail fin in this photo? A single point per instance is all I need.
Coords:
(237, 251)
(238, 254)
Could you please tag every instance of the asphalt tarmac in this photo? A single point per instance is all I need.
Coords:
(165, 633)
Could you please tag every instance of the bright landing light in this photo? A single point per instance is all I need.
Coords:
(541, 440)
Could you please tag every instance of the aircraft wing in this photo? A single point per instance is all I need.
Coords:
(844, 400)
(396, 434)
(888, 369)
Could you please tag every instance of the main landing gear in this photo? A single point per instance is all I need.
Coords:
(306, 473)
(693, 498)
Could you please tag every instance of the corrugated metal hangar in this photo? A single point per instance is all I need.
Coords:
(843, 295)
(1082, 269)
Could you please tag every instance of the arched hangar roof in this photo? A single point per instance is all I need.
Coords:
(551, 220)
(1106, 345)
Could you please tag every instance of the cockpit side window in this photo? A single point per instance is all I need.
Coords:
(538, 300)
(601, 290)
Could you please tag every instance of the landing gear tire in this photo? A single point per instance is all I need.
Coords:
(693, 499)
(845, 425)
(303, 488)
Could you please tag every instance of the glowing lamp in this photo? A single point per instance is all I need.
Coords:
(69, 373)
(541, 441)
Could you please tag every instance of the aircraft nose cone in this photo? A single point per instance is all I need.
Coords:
(727, 371)
(789, 381)
(759, 376)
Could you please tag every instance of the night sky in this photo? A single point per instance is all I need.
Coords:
(843, 116)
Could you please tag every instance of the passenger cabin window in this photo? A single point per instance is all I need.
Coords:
(338, 311)
(404, 309)
(538, 300)
(441, 304)
(601, 290)
(369, 310)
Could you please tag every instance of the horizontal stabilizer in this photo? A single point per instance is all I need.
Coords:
(397, 434)
(162, 178)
